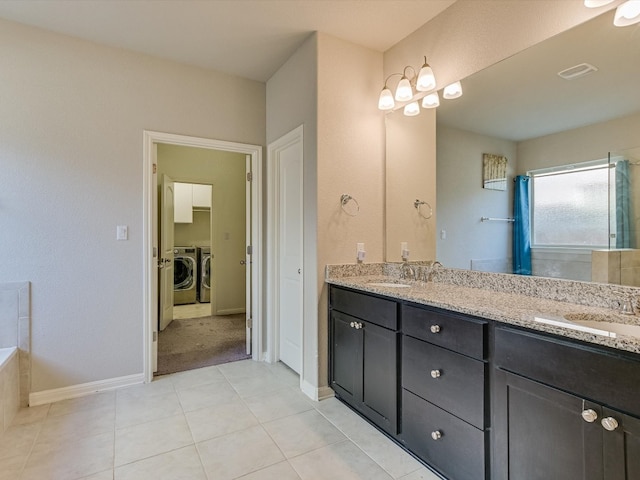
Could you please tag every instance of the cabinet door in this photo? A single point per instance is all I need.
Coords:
(202, 195)
(540, 434)
(621, 447)
(380, 376)
(183, 203)
(346, 357)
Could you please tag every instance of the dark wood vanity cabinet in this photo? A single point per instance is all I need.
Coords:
(444, 379)
(363, 367)
(557, 410)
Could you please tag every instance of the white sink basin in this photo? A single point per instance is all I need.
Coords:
(388, 285)
(594, 324)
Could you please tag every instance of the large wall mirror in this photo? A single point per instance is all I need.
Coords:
(523, 110)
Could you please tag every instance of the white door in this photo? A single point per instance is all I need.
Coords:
(166, 247)
(248, 253)
(290, 224)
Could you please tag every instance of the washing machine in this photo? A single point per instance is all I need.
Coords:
(204, 279)
(185, 275)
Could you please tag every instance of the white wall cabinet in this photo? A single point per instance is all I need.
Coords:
(183, 203)
(201, 196)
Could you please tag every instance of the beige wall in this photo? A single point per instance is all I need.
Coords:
(350, 160)
(71, 130)
(226, 172)
(462, 201)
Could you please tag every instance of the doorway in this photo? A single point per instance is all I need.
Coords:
(247, 160)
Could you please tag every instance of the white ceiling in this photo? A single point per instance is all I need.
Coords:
(248, 38)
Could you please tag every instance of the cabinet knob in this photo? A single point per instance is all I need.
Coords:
(435, 328)
(358, 325)
(609, 423)
(352, 324)
(589, 415)
(437, 435)
(435, 373)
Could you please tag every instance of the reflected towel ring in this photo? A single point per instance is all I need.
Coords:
(345, 200)
(423, 207)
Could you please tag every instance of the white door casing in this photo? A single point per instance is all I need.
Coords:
(156, 260)
(247, 257)
(150, 287)
(166, 263)
(286, 250)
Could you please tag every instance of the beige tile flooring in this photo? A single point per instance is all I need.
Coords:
(244, 420)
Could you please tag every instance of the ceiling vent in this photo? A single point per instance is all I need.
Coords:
(577, 71)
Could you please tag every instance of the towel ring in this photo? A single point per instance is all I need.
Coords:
(422, 207)
(345, 200)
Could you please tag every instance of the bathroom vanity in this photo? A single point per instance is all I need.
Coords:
(491, 394)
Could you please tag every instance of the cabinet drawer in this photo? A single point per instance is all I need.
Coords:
(606, 377)
(456, 332)
(460, 386)
(372, 309)
(459, 453)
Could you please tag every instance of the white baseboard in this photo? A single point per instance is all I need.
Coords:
(83, 389)
(315, 393)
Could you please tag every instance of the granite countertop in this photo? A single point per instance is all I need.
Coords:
(511, 308)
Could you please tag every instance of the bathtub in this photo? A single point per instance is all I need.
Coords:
(9, 386)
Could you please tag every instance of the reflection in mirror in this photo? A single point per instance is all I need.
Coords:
(540, 122)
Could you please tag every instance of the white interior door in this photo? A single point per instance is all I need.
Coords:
(290, 227)
(248, 256)
(166, 245)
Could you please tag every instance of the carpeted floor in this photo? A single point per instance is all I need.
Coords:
(201, 342)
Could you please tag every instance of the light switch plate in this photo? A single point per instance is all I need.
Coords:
(122, 232)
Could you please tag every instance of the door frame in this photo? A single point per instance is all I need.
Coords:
(149, 188)
(273, 247)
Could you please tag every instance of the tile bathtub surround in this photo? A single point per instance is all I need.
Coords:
(211, 423)
(15, 329)
(9, 387)
(581, 293)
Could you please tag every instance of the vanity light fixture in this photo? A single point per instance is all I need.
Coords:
(596, 3)
(411, 109)
(453, 90)
(423, 81)
(627, 14)
(431, 101)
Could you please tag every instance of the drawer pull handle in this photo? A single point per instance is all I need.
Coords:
(435, 328)
(437, 435)
(609, 423)
(589, 415)
(436, 373)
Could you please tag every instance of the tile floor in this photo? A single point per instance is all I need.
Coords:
(239, 420)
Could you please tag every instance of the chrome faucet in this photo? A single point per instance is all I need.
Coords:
(626, 305)
(427, 272)
(407, 271)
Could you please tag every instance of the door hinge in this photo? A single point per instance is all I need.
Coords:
(155, 168)
(249, 176)
(155, 252)
(249, 322)
(249, 250)
(155, 336)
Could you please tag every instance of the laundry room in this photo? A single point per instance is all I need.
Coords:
(206, 324)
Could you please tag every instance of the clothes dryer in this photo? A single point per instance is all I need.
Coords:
(204, 279)
(185, 275)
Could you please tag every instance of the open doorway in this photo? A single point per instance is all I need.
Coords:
(220, 241)
(208, 321)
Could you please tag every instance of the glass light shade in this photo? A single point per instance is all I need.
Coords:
(596, 3)
(627, 14)
(404, 92)
(426, 79)
(412, 109)
(385, 102)
(431, 101)
(452, 91)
